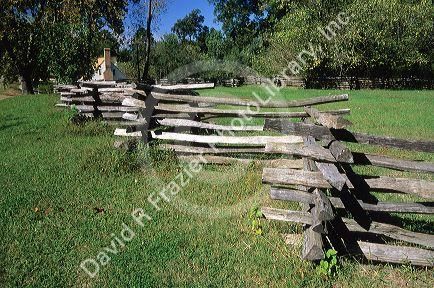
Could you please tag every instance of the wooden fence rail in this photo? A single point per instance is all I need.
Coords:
(329, 192)
(306, 162)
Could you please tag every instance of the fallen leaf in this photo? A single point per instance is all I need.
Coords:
(36, 209)
(99, 210)
(47, 211)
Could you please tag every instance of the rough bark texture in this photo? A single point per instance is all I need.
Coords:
(337, 203)
(287, 215)
(145, 76)
(327, 120)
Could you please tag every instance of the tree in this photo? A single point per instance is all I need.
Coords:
(153, 9)
(170, 53)
(201, 39)
(41, 37)
(239, 19)
(216, 45)
(18, 37)
(382, 39)
(145, 77)
(244, 23)
(190, 26)
(386, 39)
(125, 55)
(108, 39)
(139, 51)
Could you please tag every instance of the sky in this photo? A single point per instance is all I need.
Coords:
(163, 23)
(177, 9)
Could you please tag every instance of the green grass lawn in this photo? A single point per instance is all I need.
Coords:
(399, 113)
(65, 194)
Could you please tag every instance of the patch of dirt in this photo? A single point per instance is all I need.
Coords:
(293, 239)
(9, 93)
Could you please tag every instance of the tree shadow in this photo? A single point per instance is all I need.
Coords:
(5, 122)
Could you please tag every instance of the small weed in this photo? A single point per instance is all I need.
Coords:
(73, 116)
(255, 216)
(119, 161)
(328, 267)
(79, 125)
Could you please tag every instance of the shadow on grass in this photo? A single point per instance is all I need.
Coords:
(10, 121)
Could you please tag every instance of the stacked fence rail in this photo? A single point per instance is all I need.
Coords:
(97, 99)
(339, 209)
(307, 161)
(189, 124)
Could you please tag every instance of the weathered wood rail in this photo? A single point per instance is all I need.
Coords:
(306, 162)
(98, 99)
(190, 122)
(337, 205)
(338, 208)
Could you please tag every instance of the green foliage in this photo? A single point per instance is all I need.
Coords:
(255, 216)
(137, 55)
(107, 39)
(164, 60)
(81, 126)
(216, 45)
(159, 159)
(8, 71)
(72, 114)
(191, 26)
(112, 162)
(328, 267)
(291, 36)
(245, 24)
(46, 88)
(239, 19)
(129, 68)
(381, 39)
(387, 38)
(46, 38)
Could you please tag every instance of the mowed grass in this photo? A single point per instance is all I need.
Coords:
(399, 113)
(65, 194)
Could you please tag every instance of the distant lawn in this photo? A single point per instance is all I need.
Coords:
(65, 190)
(399, 113)
(9, 91)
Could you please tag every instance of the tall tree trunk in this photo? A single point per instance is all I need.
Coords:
(138, 60)
(90, 39)
(26, 83)
(24, 72)
(145, 76)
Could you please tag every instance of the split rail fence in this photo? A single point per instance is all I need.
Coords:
(190, 124)
(97, 99)
(306, 162)
(104, 99)
(339, 209)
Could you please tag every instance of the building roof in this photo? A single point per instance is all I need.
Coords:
(100, 61)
